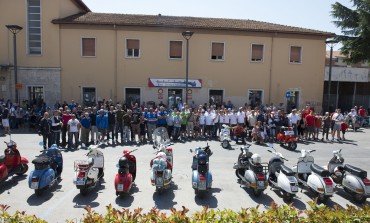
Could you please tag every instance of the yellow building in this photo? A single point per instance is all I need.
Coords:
(143, 57)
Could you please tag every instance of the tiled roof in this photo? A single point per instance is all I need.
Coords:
(336, 54)
(93, 18)
(81, 5)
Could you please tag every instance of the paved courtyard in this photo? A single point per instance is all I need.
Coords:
(64, 201)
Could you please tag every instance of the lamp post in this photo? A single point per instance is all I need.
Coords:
(187, 35)
(331, 43)
(15, 29)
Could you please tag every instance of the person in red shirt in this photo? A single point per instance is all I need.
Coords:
(318, 126)
(343, 128)
(310, 125)
(65, 118)
(361, 113)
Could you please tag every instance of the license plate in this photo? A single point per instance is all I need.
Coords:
(80, 181)
(329, 189)
(120, 187)
(260, 184)
(34, 185)
(294, 188)
(202, 185)
(289, 133)
(159, 181)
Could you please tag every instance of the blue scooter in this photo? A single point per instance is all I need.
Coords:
(201, 176)
(48, 169)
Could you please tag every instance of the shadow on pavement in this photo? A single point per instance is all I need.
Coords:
(127, 199)
(88, 200)
(295, 201)
(263, 199)
(208, 199)
(164, 200)
(349, 198)
(9, 183)
(35, 200)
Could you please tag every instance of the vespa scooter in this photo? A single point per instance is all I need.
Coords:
(225, 136)
(126, 175)
(280, 176)
(251, 172)
(314, 177)
(48, 170)
(12, 162)
(89, 172)
(352, 179)
(286, 137)
(201, 176)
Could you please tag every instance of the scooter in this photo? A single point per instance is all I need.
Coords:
(225, 136)
(280, 176)
(48, 170)
(352, 179)
(161, 176)
(89, 172)
(286, 137)
(201, 176)
(12, 162)
(250, 171)
(126, 175)
(314, 177)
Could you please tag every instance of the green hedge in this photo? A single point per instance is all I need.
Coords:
(283, 213)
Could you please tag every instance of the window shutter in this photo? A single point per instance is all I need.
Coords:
(257, 52)
(218, 49)
(175, 49)
(133, 44)
(295, 54)
(88, 47)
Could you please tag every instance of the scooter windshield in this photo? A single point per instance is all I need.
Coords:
(160, 137)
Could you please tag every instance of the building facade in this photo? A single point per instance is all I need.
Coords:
(142, 58)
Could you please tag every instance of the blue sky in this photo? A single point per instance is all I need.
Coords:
(312, 14)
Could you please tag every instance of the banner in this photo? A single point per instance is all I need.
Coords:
(174, 82)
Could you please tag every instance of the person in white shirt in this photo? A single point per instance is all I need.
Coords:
(252, 120)
(338, 118)
(241, 117)
(202, 121)
(73, 128)
(293, 121)
(209, 122)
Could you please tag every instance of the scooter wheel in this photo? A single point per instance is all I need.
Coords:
(39, 192)
(24, 168)
(237, 175)
(225, 144)
(292, 146)
(359, 198)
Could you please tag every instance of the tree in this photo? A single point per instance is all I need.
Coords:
(355, 25)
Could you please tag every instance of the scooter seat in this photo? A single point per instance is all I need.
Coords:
(355, 171)
(286, 170)
(2, 159)
(319, 170)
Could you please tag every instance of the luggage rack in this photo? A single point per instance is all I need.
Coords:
(81, 165)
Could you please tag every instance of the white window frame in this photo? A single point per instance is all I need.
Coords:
(223, 57)
(133, 56)
(256, 89)
(182, 49)
(263, 53)
(27, 32)
(87, 37)
(290, 50)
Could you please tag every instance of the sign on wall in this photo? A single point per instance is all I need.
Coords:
(349, 74)
(174, 82)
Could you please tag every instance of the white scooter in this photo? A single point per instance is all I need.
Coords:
(89, 172)
(316, 178)
(225, 136)
(352, 179)
(280, 176)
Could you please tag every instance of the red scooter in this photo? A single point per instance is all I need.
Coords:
(126, 173)
(286, 137)
(12, 163)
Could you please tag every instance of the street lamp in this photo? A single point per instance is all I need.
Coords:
(187, 35)
(15, 29)
(331, 43)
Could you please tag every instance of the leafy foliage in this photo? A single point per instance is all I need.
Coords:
(355, 25)
(283, 213)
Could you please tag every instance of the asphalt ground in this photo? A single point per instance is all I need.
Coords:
(63, 201)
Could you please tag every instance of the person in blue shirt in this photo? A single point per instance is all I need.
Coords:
(151, 118)
(102, 124)
(162, 115)
(85, 129)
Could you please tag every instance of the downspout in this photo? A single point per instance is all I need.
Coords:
(115, 65)
(270, 78)
(8, 47)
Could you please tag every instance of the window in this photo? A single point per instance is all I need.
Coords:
(217, 51)
(34, 27)
(35, 94)
(132, 48)
(257, 53)
(89, 96)
(295, 54)
(88, 47)
(175, 49)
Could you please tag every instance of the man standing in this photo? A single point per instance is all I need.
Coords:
(65, 118)
(45, 130)
(85, 129)
(135, 124)
(126, 120)
(94, 129)
(73, 129)
(241, 117)
(338, 119)
(102, 124)
(56, 123)
(293, 121)
(162, 116)
(111, 123)
(151, 118)
(119, 122)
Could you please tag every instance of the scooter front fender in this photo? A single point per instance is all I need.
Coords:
(24, 160)
(194, 178)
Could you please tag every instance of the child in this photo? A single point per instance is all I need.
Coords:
(343, 128)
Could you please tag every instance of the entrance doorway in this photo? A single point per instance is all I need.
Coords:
(89, 96)
(35, 95)
(255, 98)
(293, 101)
(216, 97)
(132, 96)
(174, 96)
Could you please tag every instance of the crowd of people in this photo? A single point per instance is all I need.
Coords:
(71, 125)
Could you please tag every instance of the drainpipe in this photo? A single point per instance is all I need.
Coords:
(115, 65)
(270, 78)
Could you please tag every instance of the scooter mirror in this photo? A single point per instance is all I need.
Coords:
(191, 150)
